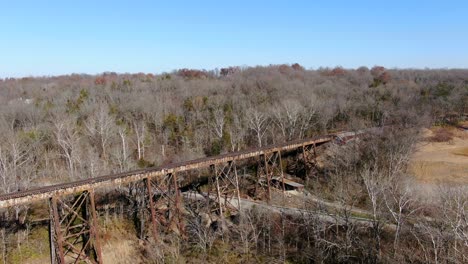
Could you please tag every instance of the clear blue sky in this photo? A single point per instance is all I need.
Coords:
(60, 37)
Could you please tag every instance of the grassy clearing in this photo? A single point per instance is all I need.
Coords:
(119, 242)
(31, 249)
(436, 161)
(461, 152)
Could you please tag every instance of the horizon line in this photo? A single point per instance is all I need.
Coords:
(4, 77)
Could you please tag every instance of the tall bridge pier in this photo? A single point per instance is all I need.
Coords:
(74, 232)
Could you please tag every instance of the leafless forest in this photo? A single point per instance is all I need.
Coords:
(65, 128)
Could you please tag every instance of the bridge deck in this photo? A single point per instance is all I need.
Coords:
(41, 193)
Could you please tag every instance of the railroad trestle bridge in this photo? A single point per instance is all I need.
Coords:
(73, 218)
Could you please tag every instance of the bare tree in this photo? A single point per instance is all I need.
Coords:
(139, 127)
(237, 133)
(258, 122)
(454, 207)
(19, 152)
(100, 126)
(203, 235)
(401, 204)
(248, 231)
(292, 119)
(68, 139)
(123, 153)
(372, 179)
(218, 122)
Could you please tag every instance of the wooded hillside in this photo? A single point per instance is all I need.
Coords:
(65, 128)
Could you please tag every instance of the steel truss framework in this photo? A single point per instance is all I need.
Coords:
(164, 204)
(74, 229)
(270, 165)
(307, 150)
(309, 158)
(73, 218)
(226, 182)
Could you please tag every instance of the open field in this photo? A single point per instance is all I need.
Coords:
(442, 162)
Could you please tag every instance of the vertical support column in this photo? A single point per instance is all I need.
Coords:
(281, 170)
(315, 164)
(225, 182)
(56, 240)
(141, 208)
(218, 190)
(154, 224)
(177, 210)
(53, 255)
(94, 227)
(74, 233)
(305, 165)
(310, 149)
(237, 188)
(267, 172)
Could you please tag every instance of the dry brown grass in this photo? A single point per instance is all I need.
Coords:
(461, 134)
(439, 161)
(439, 172)
(122, 251)
(119, 243)
(461, 152)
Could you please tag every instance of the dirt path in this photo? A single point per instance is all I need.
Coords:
(330, 217)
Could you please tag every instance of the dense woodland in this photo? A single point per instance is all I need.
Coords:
(65, 128)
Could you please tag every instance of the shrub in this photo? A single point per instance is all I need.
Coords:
(442, 135)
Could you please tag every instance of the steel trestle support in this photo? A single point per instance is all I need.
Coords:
(227, 187)
(164, 204)
(271, 165)
(74, 235)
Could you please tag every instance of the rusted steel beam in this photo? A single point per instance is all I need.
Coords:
(177, 214)
(281, 171)
(305, 164)
(37, 194)
(309, 156)
(53, 247)
(94, 226)
(267, 173)
(218, 191)
(160, 200)
(154, 221)
(139, 197)
(271, 168)
(237, 188)
(225, 180)
(56, 234)
(74, 229)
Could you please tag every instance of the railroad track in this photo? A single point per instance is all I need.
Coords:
(115, 180)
